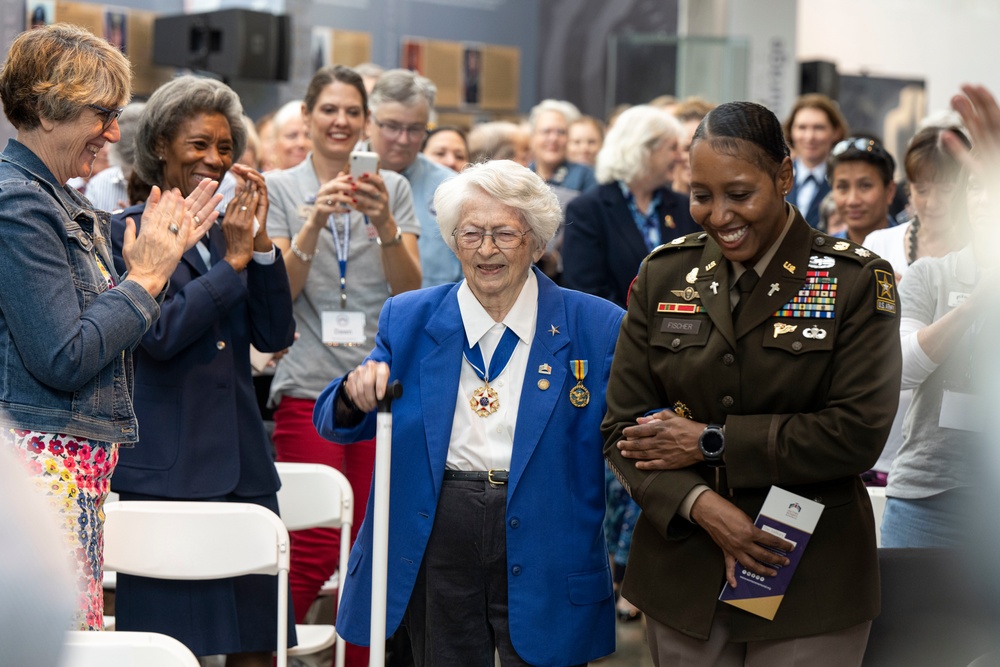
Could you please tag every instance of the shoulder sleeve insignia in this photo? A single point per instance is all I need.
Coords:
(885, 292)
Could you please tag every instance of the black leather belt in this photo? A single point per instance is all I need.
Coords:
(491, 476)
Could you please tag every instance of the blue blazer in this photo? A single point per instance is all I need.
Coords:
(559, 583)
(603, 248)
(202, 435)
(812, 215)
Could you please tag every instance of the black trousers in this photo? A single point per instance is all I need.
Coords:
(457, 616)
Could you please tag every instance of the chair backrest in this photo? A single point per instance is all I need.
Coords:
(313, 495)
(124, 649)
(193, 540)
(200, 540)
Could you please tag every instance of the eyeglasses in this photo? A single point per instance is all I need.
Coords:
(110, 115)
(505, 239)
(862, 144)
(392, 131)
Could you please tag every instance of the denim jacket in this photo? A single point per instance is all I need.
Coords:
(66, 339)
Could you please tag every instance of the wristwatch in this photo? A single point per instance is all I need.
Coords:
(712, 444)
(398, 238)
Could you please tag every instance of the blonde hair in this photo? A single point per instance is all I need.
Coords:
(631, 140)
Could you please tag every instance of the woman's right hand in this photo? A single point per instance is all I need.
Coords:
(151, 256)
(366, 385)
(740, 540)
(335, 196)
(202, 203)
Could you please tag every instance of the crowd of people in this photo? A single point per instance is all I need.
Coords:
(615, 338)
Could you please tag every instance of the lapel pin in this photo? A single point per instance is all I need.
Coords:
(774, 288)
(553, 329)
(788, 266)
(545, 369)
(543, 384)
(711, 265)
(714, 287)
(668, 220)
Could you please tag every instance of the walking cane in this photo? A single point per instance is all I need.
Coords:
(380, 524)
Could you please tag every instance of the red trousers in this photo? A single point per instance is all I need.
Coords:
(315, 552)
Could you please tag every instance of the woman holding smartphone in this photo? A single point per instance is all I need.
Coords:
(348, 242)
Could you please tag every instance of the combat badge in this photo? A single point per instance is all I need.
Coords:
(688, 293)
(821, 262)
(782, 328)
(885, 292)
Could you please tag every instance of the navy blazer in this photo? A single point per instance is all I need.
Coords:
(812, 215)
(603, 248)
(202, 435)
(561, 604)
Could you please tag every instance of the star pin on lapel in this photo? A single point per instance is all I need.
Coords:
(553, 329)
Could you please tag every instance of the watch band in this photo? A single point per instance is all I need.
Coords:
(396, 240)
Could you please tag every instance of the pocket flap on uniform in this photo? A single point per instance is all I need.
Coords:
(590, 587)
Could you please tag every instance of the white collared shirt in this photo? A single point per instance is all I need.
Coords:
(807, 191)
(486, 443)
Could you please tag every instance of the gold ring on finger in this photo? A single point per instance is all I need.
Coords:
(197, 220)
(243, 208)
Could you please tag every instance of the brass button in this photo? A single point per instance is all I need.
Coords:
(728, 359)
(727, 401)
(797, 345)
(543, 384)
(221, 345)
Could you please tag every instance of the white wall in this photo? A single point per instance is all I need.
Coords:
(944, 42)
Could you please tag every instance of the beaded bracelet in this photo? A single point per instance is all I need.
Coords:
(298, 251)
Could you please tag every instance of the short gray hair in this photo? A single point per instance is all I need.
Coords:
(630, 141)
(493, 141)
(369, 70)
(122, 153)
(566, 109)
(403, 87)
(176, 102)
(510, 184)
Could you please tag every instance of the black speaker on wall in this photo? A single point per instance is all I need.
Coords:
(819, 76)
(231, 43)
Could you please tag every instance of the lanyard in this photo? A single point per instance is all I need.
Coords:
(498, 362)
(342, 251)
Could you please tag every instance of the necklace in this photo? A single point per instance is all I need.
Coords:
(911, 255)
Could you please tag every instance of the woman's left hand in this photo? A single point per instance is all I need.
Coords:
(372, 199)
(253, 178)
(664, 441)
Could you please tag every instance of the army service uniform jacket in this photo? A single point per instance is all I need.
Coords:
(806, 387)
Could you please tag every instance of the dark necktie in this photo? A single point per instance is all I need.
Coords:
(745, 286)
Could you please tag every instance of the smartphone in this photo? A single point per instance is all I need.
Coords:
(363, 162)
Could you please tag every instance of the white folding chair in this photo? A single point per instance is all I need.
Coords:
(124, 649)
(110, 577)
(317, 496)
(200, 540)
(877, 496)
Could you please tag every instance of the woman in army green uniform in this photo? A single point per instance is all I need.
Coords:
(760, 352)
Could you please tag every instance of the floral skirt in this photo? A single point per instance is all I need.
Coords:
(75, 474)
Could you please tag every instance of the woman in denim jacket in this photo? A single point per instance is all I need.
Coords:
(68, 320)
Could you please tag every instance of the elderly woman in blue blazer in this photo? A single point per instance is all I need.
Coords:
(611, 228)
(497, 498)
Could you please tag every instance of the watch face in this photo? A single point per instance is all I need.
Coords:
(712, 441)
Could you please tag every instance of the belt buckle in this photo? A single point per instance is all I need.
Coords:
(489, 477)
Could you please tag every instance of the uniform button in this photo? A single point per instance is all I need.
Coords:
(820, 240)
(675, 342)
(499, 429)
(728, 359)
(500, 383)
(727, 401)
(221, 345)
(516, 570)
(797, 346)
(514, 523)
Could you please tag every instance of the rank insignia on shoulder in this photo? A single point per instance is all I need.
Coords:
(885, 292)
(862, 252)
(821, 262)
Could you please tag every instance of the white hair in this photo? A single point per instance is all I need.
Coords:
(403, 87)
(287, 111)
(508, 183)
(566, 109)
(631, 140)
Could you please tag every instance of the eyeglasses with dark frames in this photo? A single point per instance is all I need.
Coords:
(505, 239)
(393, 131)
(110, 115)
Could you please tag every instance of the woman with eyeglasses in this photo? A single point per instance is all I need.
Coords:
(497, 501)
(757, 353)
(70, 321)
(861, 172)
(349, 243)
